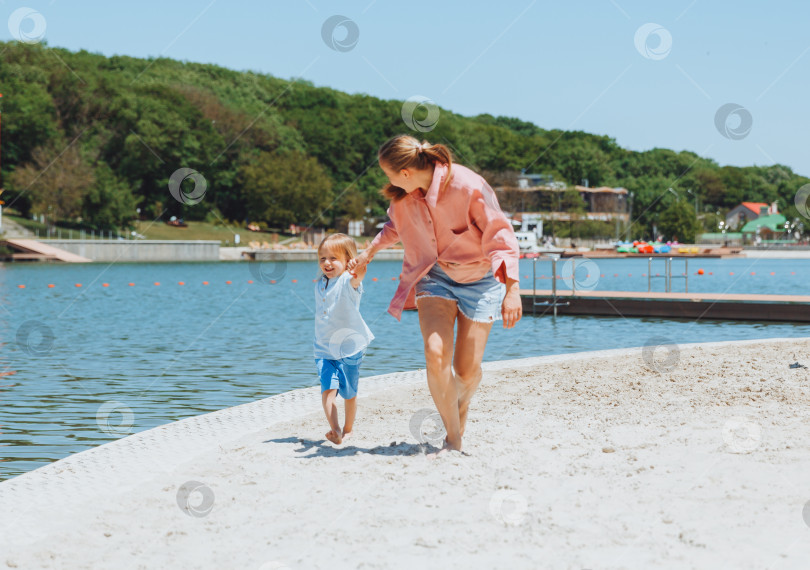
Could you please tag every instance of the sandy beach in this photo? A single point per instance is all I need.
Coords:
(677, 457)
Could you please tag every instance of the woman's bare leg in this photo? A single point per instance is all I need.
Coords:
(437, 319)
(471, 341)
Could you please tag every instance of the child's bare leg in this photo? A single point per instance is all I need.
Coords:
(335, 435)
(350, 407)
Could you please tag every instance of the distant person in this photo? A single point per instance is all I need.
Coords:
(341, 334)
(460, 267)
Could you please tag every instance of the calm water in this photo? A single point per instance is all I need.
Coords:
(90, 362)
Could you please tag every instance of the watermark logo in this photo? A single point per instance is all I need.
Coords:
(195, 499)
(346, 342)
(268, 271)
(653, 41)
(109, 411)
(733, 121)
(420, 113)
(802, 200)
(27, 25)
(274, 565)
(508, 507)
(35, 338)
(580, 273)
(427, 427)
(742, 435)
(806, 513)
(660, 354)
(197, 193)
(343, 40)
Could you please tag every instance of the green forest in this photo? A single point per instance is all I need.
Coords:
(95, 140)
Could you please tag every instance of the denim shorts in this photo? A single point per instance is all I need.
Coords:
(479, 301)
(342, 375)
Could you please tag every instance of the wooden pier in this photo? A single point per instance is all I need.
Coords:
(33, 250)
(703, 306)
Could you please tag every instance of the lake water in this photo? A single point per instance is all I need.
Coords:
(91, 364)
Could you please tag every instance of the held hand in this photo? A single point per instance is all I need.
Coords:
(358, 264)
(512, 308)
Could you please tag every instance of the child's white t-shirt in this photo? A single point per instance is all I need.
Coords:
(340, 330)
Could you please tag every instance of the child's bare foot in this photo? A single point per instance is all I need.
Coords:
(334, 436)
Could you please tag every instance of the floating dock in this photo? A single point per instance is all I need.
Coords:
(696, 306)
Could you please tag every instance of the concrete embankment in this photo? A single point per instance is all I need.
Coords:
(141, 250)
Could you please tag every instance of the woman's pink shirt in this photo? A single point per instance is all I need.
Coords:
(461, 227)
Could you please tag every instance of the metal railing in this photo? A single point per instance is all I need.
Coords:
(667, 276)
(554, 302)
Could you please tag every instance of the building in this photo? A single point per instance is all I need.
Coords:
(747, 211)
(602, 203)
(766, 228)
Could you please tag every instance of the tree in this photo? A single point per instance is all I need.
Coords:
(286, 188)
(679, 220)
(109, 202)
(56, 181)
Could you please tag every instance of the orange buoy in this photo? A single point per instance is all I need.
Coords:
(227, 282)
(272, 281)
(373, 278)
(295, 280)
(710, 273)
(78, 284)
(21, 286)
(753, 273)
(157, 283)
(772, 273)
(205, 282)
(105, 284)
(51, 286)
(614, 275)
(731, 273)
(250, 280)
(181, 283)
(393, 279)
(700, 272)
(132, 284)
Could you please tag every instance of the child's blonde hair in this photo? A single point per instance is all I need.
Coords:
(341, 244)
(405, 151)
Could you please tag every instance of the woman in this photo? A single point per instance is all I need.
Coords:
(461, 265)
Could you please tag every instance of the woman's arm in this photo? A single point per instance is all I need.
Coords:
(499, 244)
(498, 241)
(387, 237)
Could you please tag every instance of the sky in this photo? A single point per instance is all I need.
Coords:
(723, 79)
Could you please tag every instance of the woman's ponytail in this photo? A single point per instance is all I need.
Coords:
(405, 151)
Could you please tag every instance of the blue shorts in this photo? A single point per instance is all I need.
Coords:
(479, 301)
(342, 374)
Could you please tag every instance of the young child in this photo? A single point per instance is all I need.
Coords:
(341, 334)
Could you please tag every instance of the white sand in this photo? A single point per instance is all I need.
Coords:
(577, 461)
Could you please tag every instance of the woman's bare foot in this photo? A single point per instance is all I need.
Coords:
(445, 448)
(347, 435)
(334, 436)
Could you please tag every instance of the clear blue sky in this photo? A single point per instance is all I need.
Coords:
(565, 65)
